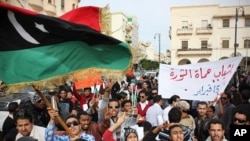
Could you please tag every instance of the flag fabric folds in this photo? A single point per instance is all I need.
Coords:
(88, 15)
(41, 50)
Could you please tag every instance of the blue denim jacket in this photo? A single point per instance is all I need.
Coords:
(50, 136)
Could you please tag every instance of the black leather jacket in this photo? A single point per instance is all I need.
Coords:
(201, 128)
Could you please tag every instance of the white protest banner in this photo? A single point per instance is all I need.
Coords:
(201, 81)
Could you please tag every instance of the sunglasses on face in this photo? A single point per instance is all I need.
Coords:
(142, 96)
(239, 120)
(39, 101)
(116, 107)
(154, 93)
(74, 123)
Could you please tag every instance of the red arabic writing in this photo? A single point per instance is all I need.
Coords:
(200, 73)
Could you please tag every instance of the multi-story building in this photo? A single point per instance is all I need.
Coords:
(124, 28)
(47, 7)
(143, 51)
(208, 32)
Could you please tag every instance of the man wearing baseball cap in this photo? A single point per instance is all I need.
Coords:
(186, 118)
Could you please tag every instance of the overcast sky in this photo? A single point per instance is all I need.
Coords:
(153, 16)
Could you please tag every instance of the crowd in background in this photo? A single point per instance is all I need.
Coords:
(118, 113)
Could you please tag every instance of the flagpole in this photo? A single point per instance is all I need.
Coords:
(132, 97)
(58, 118)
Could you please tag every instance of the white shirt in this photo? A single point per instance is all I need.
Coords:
(152, 113)
(37, 132)
(11, 116)
(166, 111)
(143, 105)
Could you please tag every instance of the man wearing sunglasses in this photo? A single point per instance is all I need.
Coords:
(228, 109)
(38, 110)
(71, 122)
(241, 117)
(114, 109)
(143, 105)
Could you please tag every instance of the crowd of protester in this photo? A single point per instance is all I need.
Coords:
(118, 112)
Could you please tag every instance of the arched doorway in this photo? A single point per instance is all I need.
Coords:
(223, 58)
(184, 62)
(237, 54)
(203, 60)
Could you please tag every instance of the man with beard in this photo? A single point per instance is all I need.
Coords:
(216, 131)
(91, 127)
(235, 95)
(25, 126)
(201, 122)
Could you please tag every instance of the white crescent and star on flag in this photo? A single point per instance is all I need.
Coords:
(22, 32)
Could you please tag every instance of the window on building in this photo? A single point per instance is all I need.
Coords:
(247, 43)
(73, 6)
(203, 44)
(50, 1)
(184, 44)
(129, 19)
(225, 43)
(62, 4)
(225, 22)
(204, 23)
(184, 25)
(247, 22)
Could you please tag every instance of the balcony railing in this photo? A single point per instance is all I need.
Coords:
(128, 28)
(184, 31)
(204, 30)
(128, 38)
(194, 51)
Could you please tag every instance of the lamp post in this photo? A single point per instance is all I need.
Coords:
(159, 40)
(236, 20)
(235, 36)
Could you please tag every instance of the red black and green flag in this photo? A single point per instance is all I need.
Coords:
(43, 50)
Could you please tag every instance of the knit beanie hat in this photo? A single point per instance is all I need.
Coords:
(128, 131)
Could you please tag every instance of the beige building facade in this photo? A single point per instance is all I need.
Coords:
(48, 7)
(124, 28)
(143, 51)
(207, 33)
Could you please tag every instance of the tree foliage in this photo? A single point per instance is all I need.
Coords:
(149, 65)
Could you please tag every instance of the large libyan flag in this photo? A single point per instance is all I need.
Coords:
(42, 50)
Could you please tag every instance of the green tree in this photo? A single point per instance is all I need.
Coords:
(148, 64)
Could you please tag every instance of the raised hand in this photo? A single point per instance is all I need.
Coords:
(52, 113)
(135, 111)
(107, 113)
(123, 116)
